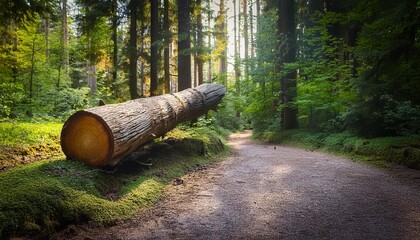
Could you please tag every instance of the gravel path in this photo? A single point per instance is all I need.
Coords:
(276, 192)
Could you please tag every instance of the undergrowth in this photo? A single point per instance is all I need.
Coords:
(380, 152)
(39, 198)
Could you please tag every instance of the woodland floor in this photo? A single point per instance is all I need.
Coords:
(277, 192)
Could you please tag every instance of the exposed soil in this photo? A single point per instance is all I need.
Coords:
(276, 192)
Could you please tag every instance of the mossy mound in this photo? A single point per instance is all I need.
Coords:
(39, 198)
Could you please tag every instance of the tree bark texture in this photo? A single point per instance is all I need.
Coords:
(154, 9)
(166, 57)
(103, 136)
(132, 50)
(184, 45)
(287, 31)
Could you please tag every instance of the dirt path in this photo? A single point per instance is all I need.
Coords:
(277, 192)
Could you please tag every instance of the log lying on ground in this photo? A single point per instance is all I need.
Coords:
(102, 136)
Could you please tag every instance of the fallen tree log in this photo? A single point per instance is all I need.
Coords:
(102, 136)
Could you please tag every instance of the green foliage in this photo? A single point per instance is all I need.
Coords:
(10, 95)
(226, 114)
(263, 91)
(70, 100)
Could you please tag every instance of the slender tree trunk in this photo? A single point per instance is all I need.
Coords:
(65, 37)
(236, 57)
(209, 73)
(166, 65)
(287, 32)
(221, 41)
(115, 47)
(258, 14)
(142, 77)
(246, 37)
(31, 77)
(239, 30)
(195, 44)
(251, 24)
(133, 50)
(184, 45)
(200, 43)
(91, 78)
(154, 49)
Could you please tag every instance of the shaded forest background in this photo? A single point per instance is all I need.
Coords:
(329, 65)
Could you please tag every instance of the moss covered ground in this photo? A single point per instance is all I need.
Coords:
(25, 142)
(38, 198)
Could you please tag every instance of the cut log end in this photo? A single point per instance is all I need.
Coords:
(87, 138)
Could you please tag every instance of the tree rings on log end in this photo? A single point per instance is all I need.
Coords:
(87, 138)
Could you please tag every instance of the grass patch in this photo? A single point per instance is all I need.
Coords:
(25, 142)
(39, 198)
(377, 151)
(18, 133)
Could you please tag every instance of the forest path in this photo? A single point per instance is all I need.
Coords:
(277, 192)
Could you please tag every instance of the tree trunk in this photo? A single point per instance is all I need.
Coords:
(251, 25)
(142, 61)
(31, 77)
(287, 33)
(154, 8)
(166, 65)
(209, 73)
(200, 43)
(246, 37)
(91, 77)
(184, 45)
(115, 47)
(65, 38)
(221, 41)
(132, 49)
(103, 136)
(236, 56)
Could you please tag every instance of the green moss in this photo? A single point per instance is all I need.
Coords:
(37, 198)
(22, 142)
(14, 133)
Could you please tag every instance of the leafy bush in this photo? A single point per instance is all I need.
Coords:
(10, 95)
(70, 100)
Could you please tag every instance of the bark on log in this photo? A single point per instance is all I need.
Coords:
(102, 136)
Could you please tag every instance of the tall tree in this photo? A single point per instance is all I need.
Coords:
(154, 9)
(209, 36)
(287, 37)
(221, 41)
(236, 43)
(251, 24)
(132, 48)
(65, 37)
(166, 59)
(114, 27)
(184, 45)
(246, 36)
(200, 43)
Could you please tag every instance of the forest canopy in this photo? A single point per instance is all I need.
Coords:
(328, 65)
